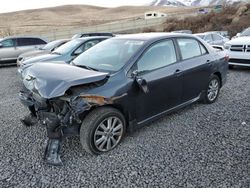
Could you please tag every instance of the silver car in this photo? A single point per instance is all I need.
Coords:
(212, 38)
(48, 48)
(12, 47)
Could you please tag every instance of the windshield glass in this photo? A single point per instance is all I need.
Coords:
(68, 47)
(200, 36)
(51, 45)
(110, 55)
(246, 32)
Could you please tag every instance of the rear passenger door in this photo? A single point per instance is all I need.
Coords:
(196, 65)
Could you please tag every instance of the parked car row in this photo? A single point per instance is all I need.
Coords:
(238, 48)
(116, 84)
(65, 53)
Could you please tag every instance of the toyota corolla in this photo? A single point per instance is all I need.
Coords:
(118, 85)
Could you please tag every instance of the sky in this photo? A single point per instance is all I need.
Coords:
(16, 5)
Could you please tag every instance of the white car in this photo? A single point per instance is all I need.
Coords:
(238, 51)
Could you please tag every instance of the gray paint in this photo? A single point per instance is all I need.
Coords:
(53, 80)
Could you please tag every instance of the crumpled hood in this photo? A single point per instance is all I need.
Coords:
(40, 58)
(53, 80)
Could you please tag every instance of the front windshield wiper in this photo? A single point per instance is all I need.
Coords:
(86, 67)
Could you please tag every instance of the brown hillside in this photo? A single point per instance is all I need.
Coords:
(65, 17)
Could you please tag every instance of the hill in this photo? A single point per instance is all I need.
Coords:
(71, 16)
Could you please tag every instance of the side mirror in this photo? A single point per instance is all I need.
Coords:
(238, 35)
(142, 83)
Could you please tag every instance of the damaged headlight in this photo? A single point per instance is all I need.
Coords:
(29, 82)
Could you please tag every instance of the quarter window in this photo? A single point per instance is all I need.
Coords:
(157, 56)
(190, 48)
(203, 49)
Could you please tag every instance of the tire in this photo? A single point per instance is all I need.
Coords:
(230, 66)
(213, 90)
(92, 130)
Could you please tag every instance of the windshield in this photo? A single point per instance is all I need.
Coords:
(246, 32)
(110, 55)
(51, 45)
(68, 47)
(200, 36)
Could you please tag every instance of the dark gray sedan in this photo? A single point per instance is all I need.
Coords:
(120, 84)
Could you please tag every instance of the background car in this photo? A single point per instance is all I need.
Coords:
(43, 50)
(66, 52)
(12, 47)
(244, 33)
(212, 38)
(238, 50)
(119, 84)
(80, 35)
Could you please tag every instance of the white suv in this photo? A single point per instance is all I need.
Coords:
(238, 51)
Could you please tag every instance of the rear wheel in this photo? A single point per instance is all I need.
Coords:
(212, 90)
(102, 130)
(230, 66)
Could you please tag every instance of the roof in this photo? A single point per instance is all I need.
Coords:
(89, 38)
(11, 37)
(152, 36)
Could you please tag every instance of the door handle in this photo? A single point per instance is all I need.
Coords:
(177, 72)
(209, 62)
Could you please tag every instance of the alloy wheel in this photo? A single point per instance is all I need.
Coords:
(213, 89)
(108, 133)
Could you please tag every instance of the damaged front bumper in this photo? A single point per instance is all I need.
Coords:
(61, 117)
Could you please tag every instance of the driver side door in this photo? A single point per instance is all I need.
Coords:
(160, 71)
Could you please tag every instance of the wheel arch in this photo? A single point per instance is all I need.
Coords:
(219, 76)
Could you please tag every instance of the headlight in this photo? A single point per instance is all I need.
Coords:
(29, 82)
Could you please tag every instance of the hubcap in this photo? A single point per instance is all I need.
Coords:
(108, 134)
(213, 89)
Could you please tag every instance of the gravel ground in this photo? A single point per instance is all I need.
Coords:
(199, 146)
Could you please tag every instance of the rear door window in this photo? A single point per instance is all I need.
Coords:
(29, 41)
(190, 48)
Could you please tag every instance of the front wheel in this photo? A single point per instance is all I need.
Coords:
(102, 130)
(212, 90)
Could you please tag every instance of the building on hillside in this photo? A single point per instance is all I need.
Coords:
(152, 14)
